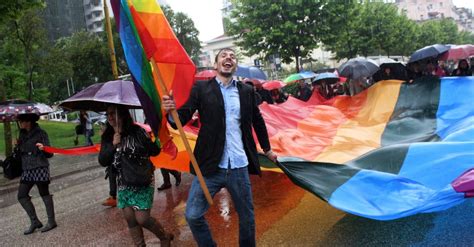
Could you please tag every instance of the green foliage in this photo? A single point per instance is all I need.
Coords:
(291, 29)
(24, 41)
(407, 33)
(466, 37)
(12, 9)
(438, 32)
(185, 32)
(373, 27)
(341, 34)
(89, 56)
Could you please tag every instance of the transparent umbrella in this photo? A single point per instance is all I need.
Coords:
(10, 109)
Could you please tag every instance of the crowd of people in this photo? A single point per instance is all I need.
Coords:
(225, 150)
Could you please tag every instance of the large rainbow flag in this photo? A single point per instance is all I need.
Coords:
(145, 34)
(395, 150)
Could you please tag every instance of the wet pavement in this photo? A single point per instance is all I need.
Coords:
(286, 215)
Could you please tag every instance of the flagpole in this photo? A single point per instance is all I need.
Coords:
(108, 27)
(174, 115)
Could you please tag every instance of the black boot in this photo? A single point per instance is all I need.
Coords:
(48, 203)
(30, 210)
(177, 177)
(153, 226)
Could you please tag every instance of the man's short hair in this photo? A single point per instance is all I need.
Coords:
(221, 50)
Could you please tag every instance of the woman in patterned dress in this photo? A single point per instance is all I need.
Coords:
(35, 165)
(124, 140)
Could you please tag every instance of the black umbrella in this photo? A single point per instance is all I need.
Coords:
(398, 69)
(357, 68)
(430, 51)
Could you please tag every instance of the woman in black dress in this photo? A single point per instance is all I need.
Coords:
(35, 167)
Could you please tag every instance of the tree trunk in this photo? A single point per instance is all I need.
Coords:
(7, 129)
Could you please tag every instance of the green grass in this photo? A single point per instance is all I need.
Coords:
(61, 135)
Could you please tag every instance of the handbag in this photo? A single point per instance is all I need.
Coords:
(80, 129)
(12, 165)
(136, 170)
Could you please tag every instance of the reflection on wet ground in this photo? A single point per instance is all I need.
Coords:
(273, 194)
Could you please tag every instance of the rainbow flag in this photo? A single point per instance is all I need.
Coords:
(145, 33)
(160, 43)
(392, 151)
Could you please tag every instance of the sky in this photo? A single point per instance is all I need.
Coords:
(207, 16)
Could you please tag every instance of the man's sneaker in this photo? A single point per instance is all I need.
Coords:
(110, 202)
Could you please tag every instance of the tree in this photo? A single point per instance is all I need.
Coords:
(10, 10)
(369, 28)
(466, 37)
(341, 35)
(29, 31)
(89, 57)
(383, 21)
(288, 28)
(407, 36)
(185, 31)
(443, 31)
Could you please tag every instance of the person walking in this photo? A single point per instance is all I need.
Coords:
(88, 128)
(225, 149)
(167, 180)
(35, 165)
(128, 148)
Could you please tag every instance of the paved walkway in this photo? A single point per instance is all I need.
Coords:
(60, 166)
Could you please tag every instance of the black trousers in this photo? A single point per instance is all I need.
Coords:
(166, 175)
(112, 172)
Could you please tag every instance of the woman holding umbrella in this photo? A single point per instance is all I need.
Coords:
(35, 167)
(128, 148)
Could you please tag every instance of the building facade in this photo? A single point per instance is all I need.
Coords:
(423, 10)
(62, 18)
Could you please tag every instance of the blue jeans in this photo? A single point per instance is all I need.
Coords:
(88, 135)
(237, 183)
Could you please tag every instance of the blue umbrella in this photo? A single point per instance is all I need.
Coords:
(428, 52)
(326, 76)
(307, 74)
(250, 72)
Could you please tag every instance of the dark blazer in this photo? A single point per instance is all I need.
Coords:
(206, 97)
